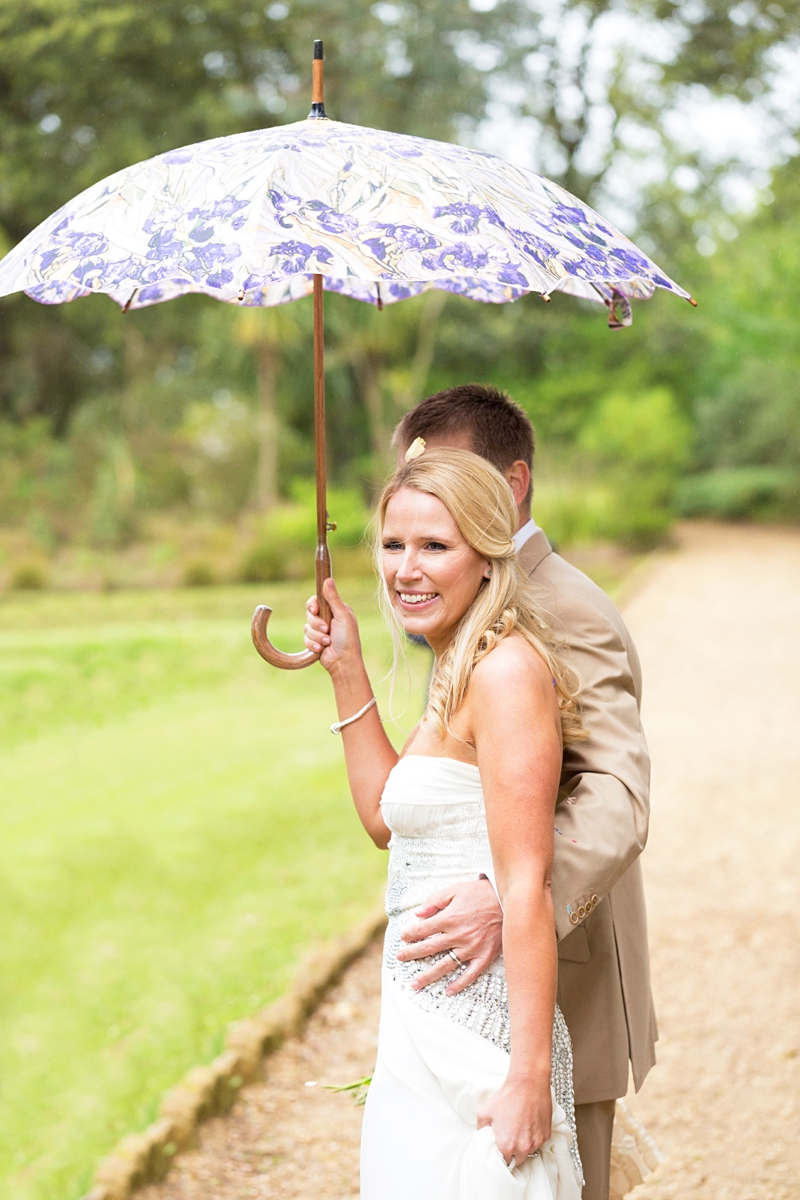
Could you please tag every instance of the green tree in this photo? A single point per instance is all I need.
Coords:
(88, 87)
(600, 82)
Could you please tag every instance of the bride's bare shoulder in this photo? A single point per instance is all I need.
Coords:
(513, 663)
(410, 740)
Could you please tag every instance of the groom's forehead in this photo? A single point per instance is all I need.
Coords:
(456, 439)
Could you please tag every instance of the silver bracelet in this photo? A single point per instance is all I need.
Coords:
(338, 726)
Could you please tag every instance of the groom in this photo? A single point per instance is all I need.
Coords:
(602, 815)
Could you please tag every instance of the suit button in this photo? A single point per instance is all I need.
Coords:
(582, 911)
(595, 900)
(573, 918)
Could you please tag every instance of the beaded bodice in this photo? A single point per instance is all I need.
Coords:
(435, 810)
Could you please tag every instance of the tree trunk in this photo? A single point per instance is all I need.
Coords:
(370, 378)
(432, 305)
(265, 492)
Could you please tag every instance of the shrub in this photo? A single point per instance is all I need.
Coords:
(641, 442)
(199, 572)
(737, 492)
(265, 562)
(28, 575)
(287, 536)
(572, 513)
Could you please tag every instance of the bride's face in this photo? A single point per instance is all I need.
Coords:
(432, 575)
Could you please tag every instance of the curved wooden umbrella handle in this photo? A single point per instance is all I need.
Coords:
(322, 563)
(278, 658)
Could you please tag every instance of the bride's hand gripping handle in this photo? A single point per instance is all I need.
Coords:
(338, 644)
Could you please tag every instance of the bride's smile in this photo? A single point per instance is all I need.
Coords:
(432, 574)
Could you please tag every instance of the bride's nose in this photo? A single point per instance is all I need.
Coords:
(409, 570)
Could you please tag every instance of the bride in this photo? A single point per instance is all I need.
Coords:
(472, 1093)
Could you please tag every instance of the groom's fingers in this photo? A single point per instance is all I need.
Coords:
(424, 946)
(430, 923)
(431, 976)
(474, 968)
(434, 904)
(438, 971)
(446, 966)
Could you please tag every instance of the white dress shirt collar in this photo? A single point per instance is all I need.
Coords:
(524, 534)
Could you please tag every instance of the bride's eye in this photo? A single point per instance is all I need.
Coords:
(392, 545)
(435, 546)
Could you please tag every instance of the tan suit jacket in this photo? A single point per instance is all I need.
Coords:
(601, 829)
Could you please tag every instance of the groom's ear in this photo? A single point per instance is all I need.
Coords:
(518, 476)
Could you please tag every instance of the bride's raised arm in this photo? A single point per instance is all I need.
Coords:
(369, 755)
(513, 718)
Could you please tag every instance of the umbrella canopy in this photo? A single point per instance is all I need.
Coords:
(266, 217)
(251, 218)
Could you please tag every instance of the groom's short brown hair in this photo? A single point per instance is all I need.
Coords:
(497, 427)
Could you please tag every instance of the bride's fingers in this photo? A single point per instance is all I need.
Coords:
(513, 1149)
(331, 594)
(316, 622)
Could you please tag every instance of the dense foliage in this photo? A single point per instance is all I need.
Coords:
(199, 413)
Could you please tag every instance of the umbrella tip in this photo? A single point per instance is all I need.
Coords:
(317, 104)
(692, 301)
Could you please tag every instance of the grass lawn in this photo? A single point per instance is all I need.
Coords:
(175, 831)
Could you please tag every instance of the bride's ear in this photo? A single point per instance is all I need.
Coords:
(487, 571)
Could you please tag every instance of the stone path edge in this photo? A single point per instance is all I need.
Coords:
(204, 1092)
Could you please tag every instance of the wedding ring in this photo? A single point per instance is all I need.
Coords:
(455, 957)
(534, 1155)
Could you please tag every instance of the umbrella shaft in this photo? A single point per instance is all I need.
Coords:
(317, 96)
(323, 558)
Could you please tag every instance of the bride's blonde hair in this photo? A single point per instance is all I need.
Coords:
(482, 505)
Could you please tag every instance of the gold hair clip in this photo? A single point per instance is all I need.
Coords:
(416, 448)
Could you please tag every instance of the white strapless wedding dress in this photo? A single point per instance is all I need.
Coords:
(441, 1057)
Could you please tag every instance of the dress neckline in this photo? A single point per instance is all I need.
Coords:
(441, 758)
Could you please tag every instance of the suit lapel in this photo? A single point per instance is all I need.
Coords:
(535, 549)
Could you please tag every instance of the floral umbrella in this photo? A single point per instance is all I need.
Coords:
(265, 217)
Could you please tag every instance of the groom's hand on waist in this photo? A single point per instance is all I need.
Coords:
(467, 921)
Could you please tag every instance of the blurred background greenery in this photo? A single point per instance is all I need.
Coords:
(155, 881)
(173, 445)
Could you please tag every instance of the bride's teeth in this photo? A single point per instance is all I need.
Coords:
(416, 598)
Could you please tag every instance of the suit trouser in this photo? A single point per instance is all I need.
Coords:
(594, 1123)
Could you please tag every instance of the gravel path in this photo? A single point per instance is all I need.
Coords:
(718, 629)
(716, 623)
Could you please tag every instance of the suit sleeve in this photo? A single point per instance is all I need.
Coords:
(603, 810)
